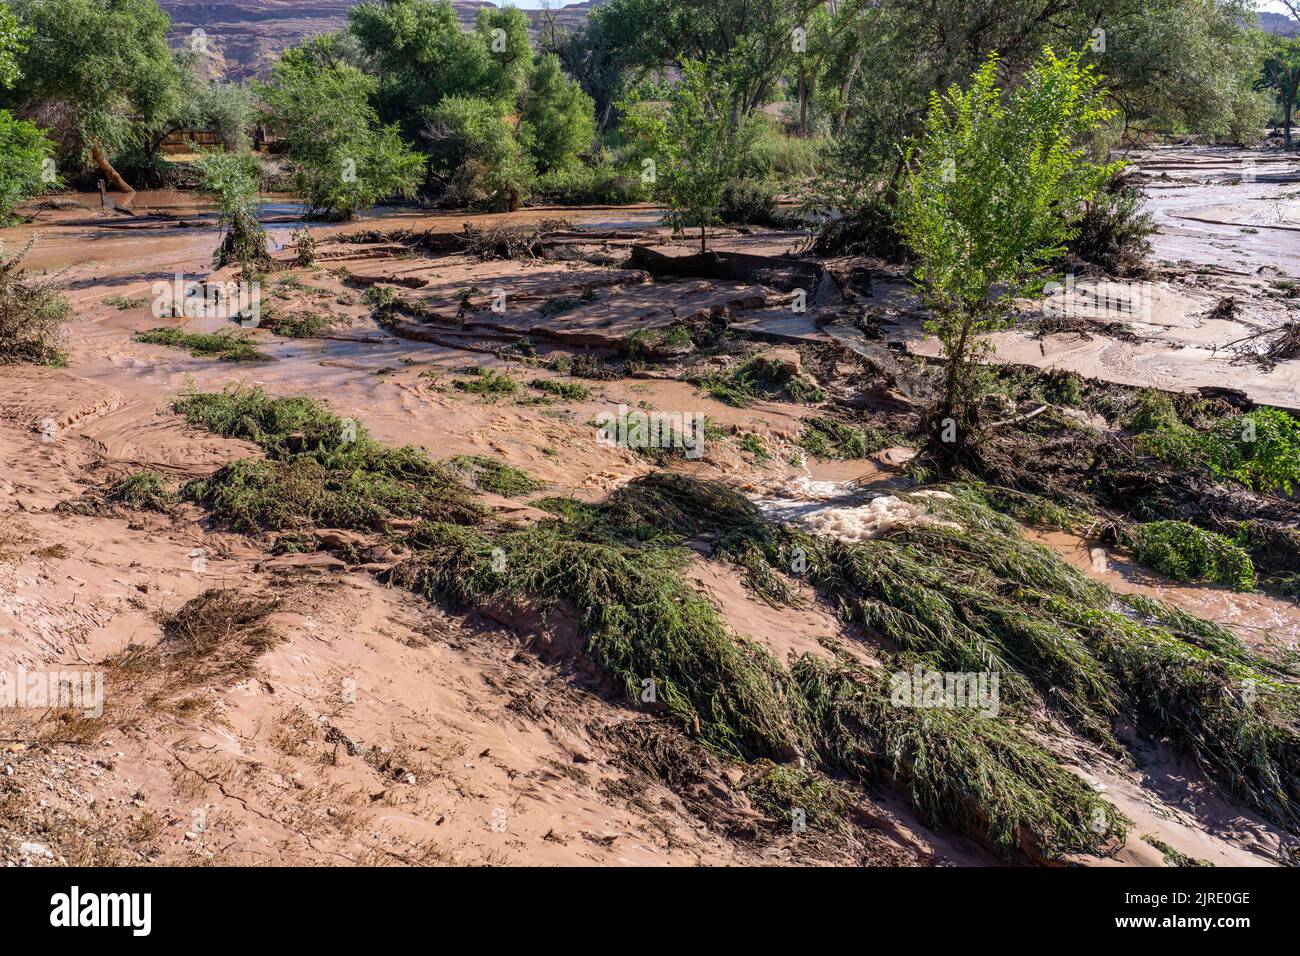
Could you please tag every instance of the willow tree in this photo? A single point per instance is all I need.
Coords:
(695, 145)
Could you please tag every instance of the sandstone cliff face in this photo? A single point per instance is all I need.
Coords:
(243, 37)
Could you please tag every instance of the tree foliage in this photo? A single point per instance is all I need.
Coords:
(97, 73)
(1281, 76)
(989, 199)
(321, 106)
(694, 142)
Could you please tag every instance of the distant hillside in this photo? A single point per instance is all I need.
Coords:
(243, 37)
(1279, 23)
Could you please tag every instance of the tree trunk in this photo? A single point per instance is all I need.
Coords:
(803, 102)
(1287, 122)
(846, 88)
(111, 174)
(702, 240)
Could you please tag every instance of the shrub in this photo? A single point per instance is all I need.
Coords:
(475, 148)
(695, 143)
(1260, 448)
(749, 203)
(32, 313)
(1113, 232)
(234, 180)
(1185, 552)
(305, 243)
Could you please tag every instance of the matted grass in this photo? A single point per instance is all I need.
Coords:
(320, 469)
(226, 346)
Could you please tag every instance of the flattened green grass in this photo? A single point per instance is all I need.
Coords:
(619, 567)
(981, 597)
(146, 490)
(320, 469)
(226, 346)
(486, 382)
(570, 391)
(756, 378)
(829, 438)
(488, 474)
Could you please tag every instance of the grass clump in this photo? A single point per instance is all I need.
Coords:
(961, 770)
(488, 474)
(971, 594)
(146, 490)
(299, 326)
(639, 617)
(380, 297)
(781, 791)
(558, 305)
(485, 381)
(223, 345)
(219, 634)
(320, 469)
(570, 391)
(761, 376)
(753, 444)
(1171, 856)
(123, 303)
(831, 438)
(32, 313)
(1185, 552)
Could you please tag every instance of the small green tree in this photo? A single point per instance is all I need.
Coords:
(1281, 74)
(696, 145)
(995, 186)
(233, 180)
(559, 120)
